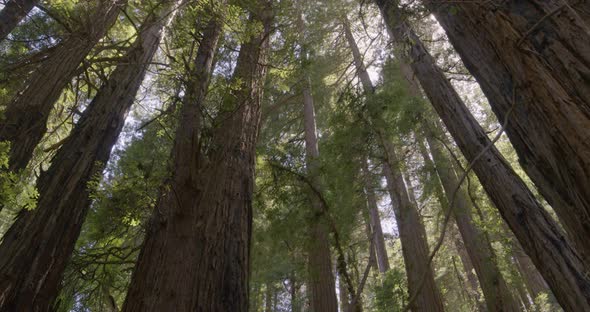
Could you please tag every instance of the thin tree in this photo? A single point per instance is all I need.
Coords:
(412, 232)
(321, 278)
(532, 61)
(376, 229)
(25, 119)
(322, 284)
(196, 253)
(36, 249)
(13, 12)
(534, 228)
(495, 289)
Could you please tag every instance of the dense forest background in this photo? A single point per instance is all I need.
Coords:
(294, 155)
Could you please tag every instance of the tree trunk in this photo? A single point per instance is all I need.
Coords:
(196, 253)
(320, 263)
(532, 278)
(12, 13)
(377, 231)
(361, 70)
(413, 240)
(412, 232)
(372, 253)
(496, 293)
(322, 281)
(36, 249)
(25, 119)
(538, 234)
(532, 60)
(472, 280)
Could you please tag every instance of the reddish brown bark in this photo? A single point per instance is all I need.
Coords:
(196, 253)
(12, 13)
(532, 59)
(36, 249)
(25, 118)
(540, 237)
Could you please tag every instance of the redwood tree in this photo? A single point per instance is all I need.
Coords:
(12, 13)
(36, 249)
(532, 61)
(495, 289)
(539, 235)
(25, 119)
(322, 284)
(421, 283)
(196, 253)
(375, 221)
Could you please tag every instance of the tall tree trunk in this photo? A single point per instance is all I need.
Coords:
(375, 221)
(538, 234)
(36, 249)
(359, 64)
(472, 280)
(12, 13)
(532, 60)
(25, 118)
(196, 253)
(412, 232)
(532, 278)
(495, 289)
(322, 283)
(372, 253)
(413, 239)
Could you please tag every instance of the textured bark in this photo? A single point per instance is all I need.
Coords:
(413, 239)
(196, 253)
(538, 234)
(12, 13)
(495, 289)
(375, 221)
(36, 249)
(25, 117)
(532, 59)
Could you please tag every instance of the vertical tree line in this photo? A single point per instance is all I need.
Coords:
(290, 177)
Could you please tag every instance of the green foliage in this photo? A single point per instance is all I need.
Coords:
(16, 191)
(391, 291)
